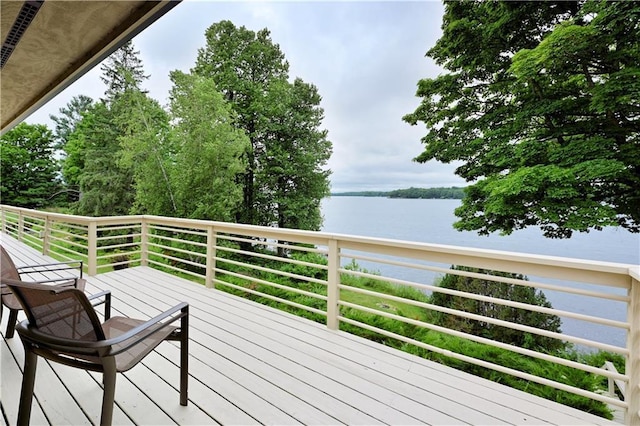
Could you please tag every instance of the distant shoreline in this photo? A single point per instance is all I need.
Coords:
(451, 193)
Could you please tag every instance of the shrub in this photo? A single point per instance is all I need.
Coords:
(499, 290)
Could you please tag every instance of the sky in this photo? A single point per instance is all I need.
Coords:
(366, 59)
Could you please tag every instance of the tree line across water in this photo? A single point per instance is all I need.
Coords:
(453, 192)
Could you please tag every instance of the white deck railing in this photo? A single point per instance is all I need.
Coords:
(319, 277)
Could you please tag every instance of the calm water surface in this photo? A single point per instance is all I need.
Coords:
(430, 221)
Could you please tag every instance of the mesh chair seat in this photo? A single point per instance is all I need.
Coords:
(129, 357)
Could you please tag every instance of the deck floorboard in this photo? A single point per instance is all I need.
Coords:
(252, 364)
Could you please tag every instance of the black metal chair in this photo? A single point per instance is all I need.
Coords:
(62, 326)
(9, 270)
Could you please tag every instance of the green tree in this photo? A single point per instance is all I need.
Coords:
(541, 103)
(74, 154)
(292, 177)
(71, 143)
(106, 188)
(499, 290)
(251, 72)
(149, 151)
(29, 170)
(106, 182)
(70, 116)
(123, 71)
(210, 150)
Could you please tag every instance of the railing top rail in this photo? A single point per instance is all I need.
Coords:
(612, 267)
(72, 218)
(597, 272)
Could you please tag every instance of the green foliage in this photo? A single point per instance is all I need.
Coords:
(95, 158)
(122, 72)
(70, 116)
(104, 171)
(147, 149)
(284, 179)
(498, 290)
(450, 193)
(427, 193)
(210, 150)
(29, 169)
(75, 154)
(71, 139)
(106, 188)
(291, 176)
(128, 155)
(540, 103)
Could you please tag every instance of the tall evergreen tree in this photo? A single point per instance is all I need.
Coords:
(123, 71)
(70, 116)
(540, 102)
(250, 70)
(106, 188)
(292, 176)
(70, 143)
(107, 183)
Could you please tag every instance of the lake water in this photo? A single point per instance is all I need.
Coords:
(430, 221)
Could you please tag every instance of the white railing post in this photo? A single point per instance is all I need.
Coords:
(144, 243)
(333, 279)
(210, 273)
(632, 416)
(20, 225)
(45, 236)
(3, 219)
(92, 248)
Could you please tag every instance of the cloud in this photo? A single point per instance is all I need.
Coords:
(366, 59)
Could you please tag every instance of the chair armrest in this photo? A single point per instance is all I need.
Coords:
(63, 344)
(145, 329)
(100, 294)
(49, 267)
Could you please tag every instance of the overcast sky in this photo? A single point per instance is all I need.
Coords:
(365, 58)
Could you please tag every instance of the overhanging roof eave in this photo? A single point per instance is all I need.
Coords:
(128, 28)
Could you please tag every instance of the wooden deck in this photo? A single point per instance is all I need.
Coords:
(250, 364)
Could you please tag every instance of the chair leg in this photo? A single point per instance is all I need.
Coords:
(26, 393)
(184, 356)
(108, 397)
(11, 325)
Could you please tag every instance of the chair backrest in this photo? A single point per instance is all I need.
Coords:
(9, 269)
(59, 312)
